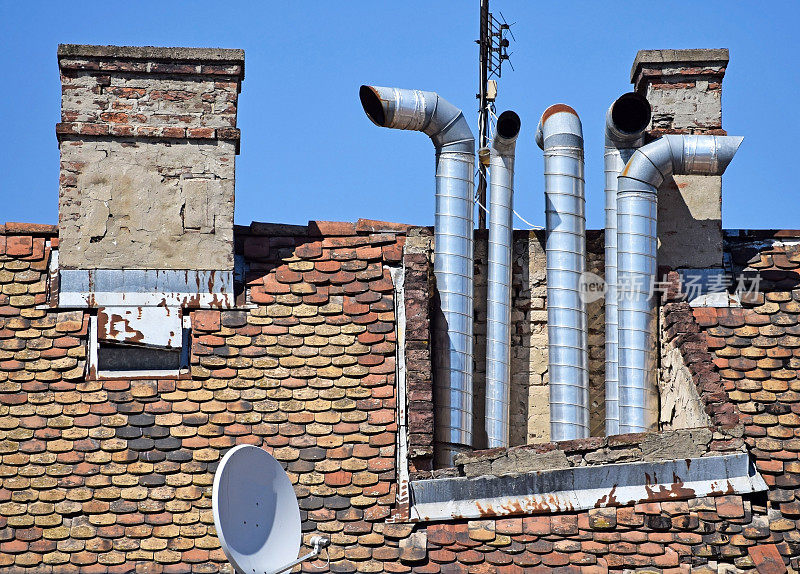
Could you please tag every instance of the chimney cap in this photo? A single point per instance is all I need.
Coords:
(716, 56)
(150, 53)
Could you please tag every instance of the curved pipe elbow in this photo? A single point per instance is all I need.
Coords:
(678, 155)
(417, 110)
(559, 126)
(626, 121)
(505, 139)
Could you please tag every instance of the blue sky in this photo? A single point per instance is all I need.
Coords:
(308, 151)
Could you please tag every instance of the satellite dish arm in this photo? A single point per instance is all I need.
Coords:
(317, 544)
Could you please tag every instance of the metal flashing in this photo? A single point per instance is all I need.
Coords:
(84, 288)
(582, 488)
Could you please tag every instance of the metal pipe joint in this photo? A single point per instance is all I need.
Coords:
(453, 262)
(637, 250)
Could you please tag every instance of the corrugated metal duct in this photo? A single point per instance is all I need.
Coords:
(637, 247)
(498, 312)
(626, 121)
(560, 135)
(453, 261)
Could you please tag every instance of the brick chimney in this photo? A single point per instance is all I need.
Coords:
(148, 141)
(684, 88)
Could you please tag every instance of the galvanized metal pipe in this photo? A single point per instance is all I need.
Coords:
(560, 135)
(453, 262)
(637, 247)
(626, 121)
(498, 309)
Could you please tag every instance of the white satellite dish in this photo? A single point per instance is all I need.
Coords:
(256, 513)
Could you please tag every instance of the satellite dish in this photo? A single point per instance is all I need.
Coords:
(256, 513)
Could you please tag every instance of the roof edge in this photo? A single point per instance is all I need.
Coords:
(676, 58)
(150, 53)
(39, 229)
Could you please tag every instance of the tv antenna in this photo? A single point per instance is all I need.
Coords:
(493, 48)
(256, 513)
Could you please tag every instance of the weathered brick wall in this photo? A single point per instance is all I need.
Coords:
(684, 88)
(418, 289)
(596, 320)
(148, 141)
(530, 395)
(680, 404)
(529, 422)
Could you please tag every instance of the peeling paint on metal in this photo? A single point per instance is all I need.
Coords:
(403, 489)
(156, 326)
(146, 288)
(582, 488)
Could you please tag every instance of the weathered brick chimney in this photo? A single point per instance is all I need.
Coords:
(148, 140)
(684, 88)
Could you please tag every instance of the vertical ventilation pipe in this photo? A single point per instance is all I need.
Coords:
(626, 121)
(560, 135)
(498, 311)
(453, 260)
(637, 245)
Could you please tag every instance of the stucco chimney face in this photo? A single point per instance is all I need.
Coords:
(148, 141)
(684, 88)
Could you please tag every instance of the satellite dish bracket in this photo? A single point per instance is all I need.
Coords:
(317, 544)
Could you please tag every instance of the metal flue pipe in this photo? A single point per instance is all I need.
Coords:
(626, 122)
(453, 261)
(498, 310)
(560, 135)
(637, 246)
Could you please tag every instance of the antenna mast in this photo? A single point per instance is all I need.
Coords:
(493, 50)
(483, 111)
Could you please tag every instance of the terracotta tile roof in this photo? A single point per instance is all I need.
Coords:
(115, 475)
(103, 475)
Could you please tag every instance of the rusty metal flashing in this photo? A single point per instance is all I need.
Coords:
(403, 493)
(52, 277)
(150, 336)
(152, 326)
(582, 488)
(142, 308)
(82, 288)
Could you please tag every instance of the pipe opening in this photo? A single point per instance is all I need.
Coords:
(371, 103)
(508, 124)
(631, 113)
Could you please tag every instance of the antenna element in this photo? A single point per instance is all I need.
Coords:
(493, 51)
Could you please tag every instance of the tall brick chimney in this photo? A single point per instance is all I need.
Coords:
(684, 88)
(148, 140)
